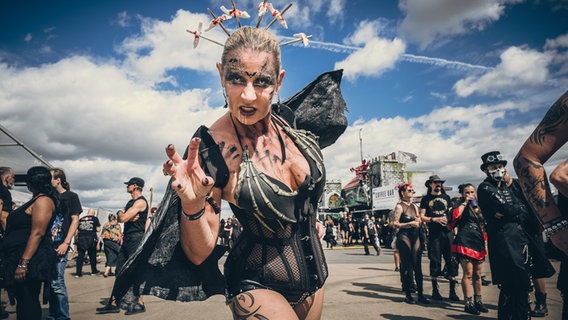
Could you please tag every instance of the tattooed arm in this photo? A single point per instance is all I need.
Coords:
(546, 139)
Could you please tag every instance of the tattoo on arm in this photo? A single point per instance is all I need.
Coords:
(555, 117)
(534, 182)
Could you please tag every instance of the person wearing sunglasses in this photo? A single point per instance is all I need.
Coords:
(507, 241)
(406, 218)
(435, 212)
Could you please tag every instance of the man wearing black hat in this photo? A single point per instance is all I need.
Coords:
(134, 218)
(435, 211)
(507, 241)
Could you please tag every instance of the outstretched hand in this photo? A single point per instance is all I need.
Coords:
(188, 178)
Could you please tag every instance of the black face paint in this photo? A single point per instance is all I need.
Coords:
(251, 75)
(236, 73)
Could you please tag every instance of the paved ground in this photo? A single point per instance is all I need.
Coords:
(359, 287)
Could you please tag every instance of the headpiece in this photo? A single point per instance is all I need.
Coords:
(263, 8)
(492, 157)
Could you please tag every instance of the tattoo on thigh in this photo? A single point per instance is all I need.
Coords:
(244, 308)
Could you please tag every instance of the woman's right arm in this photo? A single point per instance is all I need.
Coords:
(199, 226)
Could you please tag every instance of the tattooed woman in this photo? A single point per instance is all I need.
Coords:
(407, 221)
(271, 175)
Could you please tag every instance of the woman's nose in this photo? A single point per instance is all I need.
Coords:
(249, 94)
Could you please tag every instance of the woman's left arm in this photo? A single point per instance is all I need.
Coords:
(41, 212)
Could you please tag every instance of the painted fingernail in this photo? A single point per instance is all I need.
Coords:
(205, 181)
(170, 146)
(179, 186)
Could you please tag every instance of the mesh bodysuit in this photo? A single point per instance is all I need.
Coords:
(408, 244)
(279, 248)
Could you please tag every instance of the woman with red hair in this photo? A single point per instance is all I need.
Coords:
(407, 220)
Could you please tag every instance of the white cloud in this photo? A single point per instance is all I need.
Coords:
(518, 68)
(378, 56)
(335, 11)
(163, 46)
(429, 20)
(558, 42)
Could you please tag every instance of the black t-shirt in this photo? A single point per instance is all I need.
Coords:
(88, 226)
(6, 197)
(70, 205)
(139, 225)
(436, 206)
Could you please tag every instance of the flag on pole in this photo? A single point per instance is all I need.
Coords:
(406, 157)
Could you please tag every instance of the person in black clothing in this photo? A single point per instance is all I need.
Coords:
(344, 228)
(62, 232)
(507, 241)
(540, 266)
(329, 237)
(406, 219)
(6, 183)
(30, 257)
(370, 235)
(435, 211)
(469, 246)
(546, 139)
(134, 219)
(87, 238)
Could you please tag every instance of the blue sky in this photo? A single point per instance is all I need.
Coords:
(100, 88)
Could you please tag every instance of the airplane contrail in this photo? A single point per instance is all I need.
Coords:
(341, 48)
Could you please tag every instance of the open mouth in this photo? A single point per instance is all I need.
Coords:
(247, 111)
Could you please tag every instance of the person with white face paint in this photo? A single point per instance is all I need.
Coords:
(507, 241)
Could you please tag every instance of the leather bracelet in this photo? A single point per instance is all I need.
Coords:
(556, 225)
(193, 217)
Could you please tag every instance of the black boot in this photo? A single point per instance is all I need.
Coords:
(422, 299)
(435, 290)
(453, 294)
(478, 303)
(469, 307)
(540, 309)
(409, 299)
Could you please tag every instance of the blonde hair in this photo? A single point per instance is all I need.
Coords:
(255, 39)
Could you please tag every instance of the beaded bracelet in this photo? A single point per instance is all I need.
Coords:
(554, 226)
